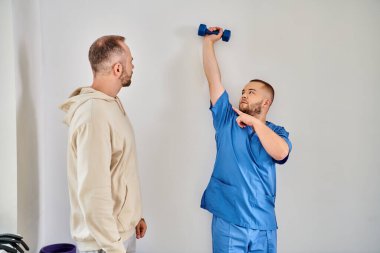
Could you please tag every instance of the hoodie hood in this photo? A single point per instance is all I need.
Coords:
(80, 96)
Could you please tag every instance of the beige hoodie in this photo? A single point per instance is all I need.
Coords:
(103, 178)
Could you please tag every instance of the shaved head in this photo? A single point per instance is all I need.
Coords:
(105, 51)
(266, 87)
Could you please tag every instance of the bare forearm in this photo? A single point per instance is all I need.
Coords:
(211, 68)
(275, 146)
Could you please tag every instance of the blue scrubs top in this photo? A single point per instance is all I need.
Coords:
(242, 188)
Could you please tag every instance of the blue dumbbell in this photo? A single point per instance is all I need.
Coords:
(202, 31)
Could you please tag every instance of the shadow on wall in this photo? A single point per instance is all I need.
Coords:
(179, 139)
(27, 156)
(182, 84)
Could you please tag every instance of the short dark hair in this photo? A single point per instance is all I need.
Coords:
(267, 86)
(102, 50)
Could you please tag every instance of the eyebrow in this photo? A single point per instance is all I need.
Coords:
(248, 89)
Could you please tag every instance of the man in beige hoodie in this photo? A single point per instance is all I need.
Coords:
(103, 179)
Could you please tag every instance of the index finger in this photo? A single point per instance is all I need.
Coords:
(138, 231)
(143, 232)
(220, 32)
(237, 110)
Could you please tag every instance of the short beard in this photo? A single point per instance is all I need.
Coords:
(125, 81)
(252, 109)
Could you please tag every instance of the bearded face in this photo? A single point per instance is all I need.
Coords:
(125, 79)
(251, 109)
(127, 65)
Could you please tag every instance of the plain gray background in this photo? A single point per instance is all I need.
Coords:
(323, 58)
(8, 135)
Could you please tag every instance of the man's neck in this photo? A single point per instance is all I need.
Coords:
(261, 117)
(106, 86)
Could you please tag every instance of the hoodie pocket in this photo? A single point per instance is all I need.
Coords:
(122, 215)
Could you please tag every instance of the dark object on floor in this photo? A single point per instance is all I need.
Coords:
(11, 243)
(59, 248)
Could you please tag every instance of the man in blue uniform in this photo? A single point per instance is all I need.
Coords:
(242, 189)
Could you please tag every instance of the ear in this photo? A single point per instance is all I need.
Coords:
(117, 69)
(267, 102)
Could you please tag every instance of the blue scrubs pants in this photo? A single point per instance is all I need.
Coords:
(229, 238)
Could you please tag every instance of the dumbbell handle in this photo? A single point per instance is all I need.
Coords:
(202, 31)
(208, 32)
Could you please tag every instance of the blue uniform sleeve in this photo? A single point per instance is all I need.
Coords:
(222, 111)
(285, 135)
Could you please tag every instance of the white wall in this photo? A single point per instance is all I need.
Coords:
(8, 142)
(323, 58)
(30, 122)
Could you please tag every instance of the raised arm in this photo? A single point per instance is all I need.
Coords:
(210, 65)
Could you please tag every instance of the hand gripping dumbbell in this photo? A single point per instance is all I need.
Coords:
(202, 31)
